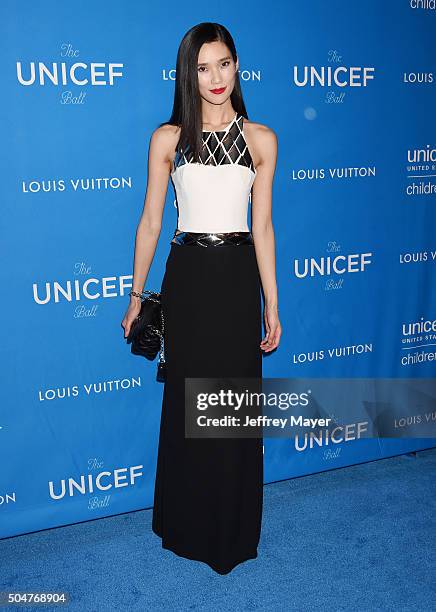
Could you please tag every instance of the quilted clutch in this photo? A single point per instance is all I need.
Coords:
(146, 335)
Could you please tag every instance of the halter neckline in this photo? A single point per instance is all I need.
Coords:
(225, 130)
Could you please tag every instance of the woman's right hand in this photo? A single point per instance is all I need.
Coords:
(131, 314)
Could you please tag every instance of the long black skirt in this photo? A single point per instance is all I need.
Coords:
(209, 492)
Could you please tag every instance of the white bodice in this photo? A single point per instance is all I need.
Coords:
(212, 195)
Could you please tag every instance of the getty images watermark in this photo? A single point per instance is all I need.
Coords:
(285, 407)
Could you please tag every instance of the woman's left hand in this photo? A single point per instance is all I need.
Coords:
(273, 329)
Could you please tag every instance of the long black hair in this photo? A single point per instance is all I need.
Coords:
(186, 111)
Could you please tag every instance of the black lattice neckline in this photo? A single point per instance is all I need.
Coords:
(222, 147)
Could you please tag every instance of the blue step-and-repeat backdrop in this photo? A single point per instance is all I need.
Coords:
(349, 89)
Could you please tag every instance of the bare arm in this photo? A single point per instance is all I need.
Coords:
(263, 232)
(150, 223)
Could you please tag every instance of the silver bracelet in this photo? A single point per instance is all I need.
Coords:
(135, 293)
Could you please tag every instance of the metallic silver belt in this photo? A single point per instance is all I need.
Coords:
(213, 239)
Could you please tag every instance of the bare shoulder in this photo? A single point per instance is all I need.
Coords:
(164, 140)
(259, 130)
(261, 140)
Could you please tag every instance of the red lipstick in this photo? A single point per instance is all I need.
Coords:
(217, 91)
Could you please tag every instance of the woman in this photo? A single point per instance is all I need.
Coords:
(208, 492)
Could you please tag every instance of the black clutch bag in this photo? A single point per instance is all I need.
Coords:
(146, 335)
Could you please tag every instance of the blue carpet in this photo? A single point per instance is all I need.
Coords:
(360, 538)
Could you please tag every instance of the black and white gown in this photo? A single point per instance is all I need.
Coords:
(209, 492)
